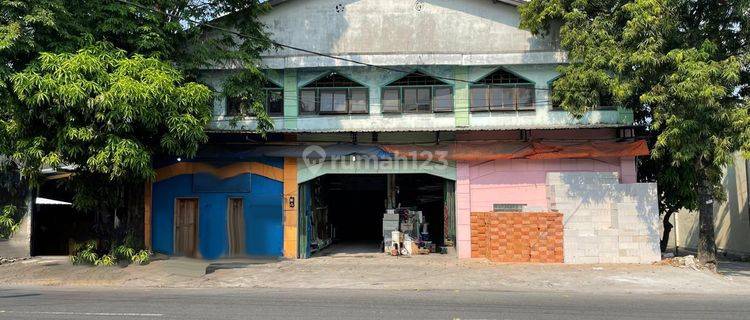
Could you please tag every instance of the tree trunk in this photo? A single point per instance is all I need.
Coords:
(706, 239)
(134, 203)
(667, 229)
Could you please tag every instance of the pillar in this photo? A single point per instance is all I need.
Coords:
(291, 204)
(291, 99)
(463, 210)
(461, 96)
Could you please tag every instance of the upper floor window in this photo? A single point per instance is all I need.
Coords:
(415, 93)
(333, 94)
(273, 101)
(606, 101)
(502, 91)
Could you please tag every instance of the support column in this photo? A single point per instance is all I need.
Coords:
(461, 96)
(291, 99)
(391, 191)
(463, 210)
(147, 202)
(291, 205)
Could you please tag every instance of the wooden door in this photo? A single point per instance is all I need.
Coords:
(236, 224)
(186, 227)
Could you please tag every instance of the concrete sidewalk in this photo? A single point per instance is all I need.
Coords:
(378, 271)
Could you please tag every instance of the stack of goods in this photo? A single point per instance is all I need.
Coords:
(390, 224)
(413, 235)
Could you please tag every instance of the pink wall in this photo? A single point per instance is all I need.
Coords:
(479, 185)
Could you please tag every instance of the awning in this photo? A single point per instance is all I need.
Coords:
(496, 150)
(309, 151)
(459, 151)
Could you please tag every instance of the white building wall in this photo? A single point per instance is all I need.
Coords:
(732, 218)
(605, 221)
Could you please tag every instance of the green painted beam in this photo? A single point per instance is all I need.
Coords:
(291, 99)
(309, 171)
(625, 115)
(461, 96)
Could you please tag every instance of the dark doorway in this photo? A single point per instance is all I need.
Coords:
(56, 225)
(424, 193)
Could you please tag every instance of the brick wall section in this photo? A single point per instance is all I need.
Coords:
(517, 236)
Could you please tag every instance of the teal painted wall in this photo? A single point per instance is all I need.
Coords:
(541, 117)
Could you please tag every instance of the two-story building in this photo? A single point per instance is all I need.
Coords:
(441, 106)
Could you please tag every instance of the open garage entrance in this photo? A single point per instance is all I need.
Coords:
(56, 225)
(344, 213)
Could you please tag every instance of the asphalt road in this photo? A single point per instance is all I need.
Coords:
(184, 304)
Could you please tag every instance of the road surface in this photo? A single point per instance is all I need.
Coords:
(187, 304)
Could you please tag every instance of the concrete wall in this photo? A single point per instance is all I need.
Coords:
(732, 218)
(19, 244)
(403, 32)
(606, 221)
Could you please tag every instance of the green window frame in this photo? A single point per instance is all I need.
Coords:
(502, 90)
(502, 97)
(334, 100)
(417, 99)
(273, 103)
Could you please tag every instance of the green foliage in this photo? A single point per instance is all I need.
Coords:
(12, 194)
(85, 253)
(106, 260)
(106, 112)
(680, 65)
(168, 30)
(88, 253)
(105, 86)
(142, 257)
(8, 221)
(127, 252)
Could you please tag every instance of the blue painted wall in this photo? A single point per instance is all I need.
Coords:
(263, 213)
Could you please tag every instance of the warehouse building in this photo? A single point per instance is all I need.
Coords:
(450, 121)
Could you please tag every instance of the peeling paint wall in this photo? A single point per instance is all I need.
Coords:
(396, 32)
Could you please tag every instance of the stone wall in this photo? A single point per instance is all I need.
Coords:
(605, 221)
(517, 236)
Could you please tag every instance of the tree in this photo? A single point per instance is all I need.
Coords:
(68, 64)
(680, 65)
(170, 30)
(108, 114)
